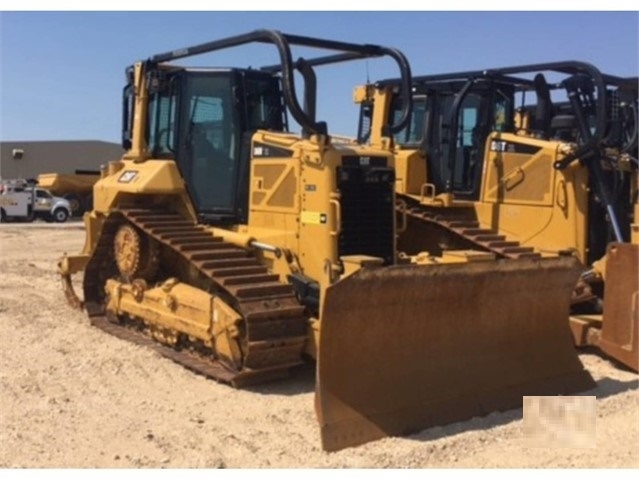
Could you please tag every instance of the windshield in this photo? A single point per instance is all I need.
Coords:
(43, 194)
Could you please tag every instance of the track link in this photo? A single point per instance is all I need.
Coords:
(468, 229)
(274, 320)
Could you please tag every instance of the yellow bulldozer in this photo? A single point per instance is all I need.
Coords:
(239, 250)
(520, 161)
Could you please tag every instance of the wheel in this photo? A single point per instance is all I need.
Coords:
(60, 215)
(76, 204)
(3, 216)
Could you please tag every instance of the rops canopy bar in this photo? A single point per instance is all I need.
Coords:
(348, 52)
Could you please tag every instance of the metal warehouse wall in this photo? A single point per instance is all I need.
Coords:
(55, 157)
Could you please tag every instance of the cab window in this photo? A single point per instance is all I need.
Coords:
(42, 194)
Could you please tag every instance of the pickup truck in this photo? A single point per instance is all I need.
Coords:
(24, 203)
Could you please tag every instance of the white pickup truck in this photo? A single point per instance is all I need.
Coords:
(19, 201)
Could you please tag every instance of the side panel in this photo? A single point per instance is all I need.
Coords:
(518, 172)
(292, 199)
(274, 201)
(410, 170)
(139, 181)
(526, 199)
(320, 216)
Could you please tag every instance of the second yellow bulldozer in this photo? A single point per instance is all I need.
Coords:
(525, 161)
(240, 250)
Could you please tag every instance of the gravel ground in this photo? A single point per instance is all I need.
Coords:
(73, 396)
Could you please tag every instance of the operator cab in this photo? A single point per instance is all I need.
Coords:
(455, 113)
(204, 119)
(485, 107)
(569, 102)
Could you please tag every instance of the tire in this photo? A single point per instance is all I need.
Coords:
(76, 202)
(60, 215)
(3, 216)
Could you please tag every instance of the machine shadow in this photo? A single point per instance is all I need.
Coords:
(607, 387)
(300, 381)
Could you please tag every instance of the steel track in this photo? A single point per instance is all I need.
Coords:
(274, 321)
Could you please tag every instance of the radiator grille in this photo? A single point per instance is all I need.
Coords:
(367, 211)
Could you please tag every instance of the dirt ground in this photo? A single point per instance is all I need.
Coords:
(73, 396)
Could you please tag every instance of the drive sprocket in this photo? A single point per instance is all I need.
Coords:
(136, 255)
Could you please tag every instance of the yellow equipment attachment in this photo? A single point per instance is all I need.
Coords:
(489, 162)
(239, 250)
(620, 330)
(408, 347)
(617, 332)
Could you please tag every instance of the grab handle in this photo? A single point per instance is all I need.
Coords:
(338, 217)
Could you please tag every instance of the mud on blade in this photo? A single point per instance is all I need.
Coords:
(409, 347)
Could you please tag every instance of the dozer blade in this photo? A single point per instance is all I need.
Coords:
(408, 347)
(619, 332)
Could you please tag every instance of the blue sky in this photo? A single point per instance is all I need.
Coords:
(61, 73)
